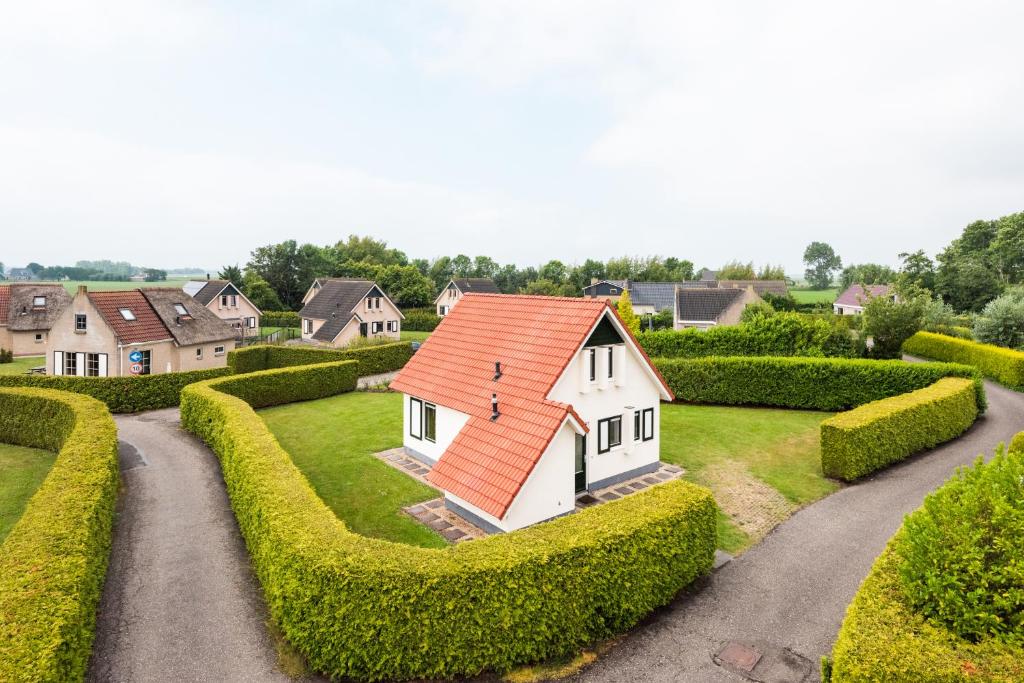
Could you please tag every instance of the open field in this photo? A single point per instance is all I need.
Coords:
(111, 286)
(762, 464)
(22, 470)
(21, 365)
(814, 296)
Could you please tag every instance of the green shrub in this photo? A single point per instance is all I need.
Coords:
(953, 331)
(421, 319)
(781, 334)
(369, 609)
(373, 360)
(121, 394)
(808, 383)
(963, 553)
(53, 562)
(884, 638)
(6, 356)
(280, 319)
(1003, 365)
(1017, 443)
(880, 433)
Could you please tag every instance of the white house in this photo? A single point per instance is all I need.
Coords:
(459, 287)
(521, 403)
(340, 310)
(851, 301)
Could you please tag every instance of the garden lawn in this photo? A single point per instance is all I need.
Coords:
(413, 335)
(332, 441)
(22, 470)
(814, 296)
(21, 365)
(721, 446)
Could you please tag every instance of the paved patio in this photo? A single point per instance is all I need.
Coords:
(664, 473)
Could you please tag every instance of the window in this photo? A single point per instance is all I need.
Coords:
(307, 326)
(392, 326)
(80, 322)
(613, 290)
(71, 364)
(611, 362)
(636, 425)
(223, 300)
(593, 365)
(199, 353)
(377, 302)
(430, 422)
(92, 365)
(127, 314)
(234, 301)
(39, 337)
(146, 362)
(648, 424)
(39, 302)
(445, 309)
(218, 350)
(376, 327)
(180, 309)
(415, 418)
(609, 433)
(250, 323)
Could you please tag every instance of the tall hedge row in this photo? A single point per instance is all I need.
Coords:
(421, 319)
(373, 360)
(370, 609)
(1006, 366)
(121, 394)
(53, 562)
(280, 319)
(809, 383)
(860, 441)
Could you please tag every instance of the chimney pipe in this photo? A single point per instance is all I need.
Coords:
(497, 370)
(82, 289)
(494, 407)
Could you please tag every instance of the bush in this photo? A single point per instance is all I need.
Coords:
(880, 433)
(963, 556)
(53, 562)
(1003, 365)
(421, 319)
(884, 638)
(953, 331)
(782, 334)
(6, 356)
(280, 319)
(1001, 322)
(121, 394)
(1017, 443)
(890, 323)
(809, 383)
(370, 609)
(373, 360)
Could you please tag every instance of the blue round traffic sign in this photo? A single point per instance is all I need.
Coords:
(135, 356)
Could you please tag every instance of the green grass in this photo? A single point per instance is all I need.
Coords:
(112, 286)
(413, 335)
(21, 365)
(814, 296)
(22, 470)
(332, 442)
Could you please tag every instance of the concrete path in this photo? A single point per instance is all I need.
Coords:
(787, 596)
(180, 601)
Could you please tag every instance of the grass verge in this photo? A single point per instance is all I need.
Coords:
(22, 470)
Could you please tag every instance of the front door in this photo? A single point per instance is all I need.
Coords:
(581, 463)
(362, 329)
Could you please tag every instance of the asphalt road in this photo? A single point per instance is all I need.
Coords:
(786, 597)
(180, 602)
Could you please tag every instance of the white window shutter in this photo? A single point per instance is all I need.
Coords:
(103, 365)
(620, 365)
(58, 362)
(80, 364)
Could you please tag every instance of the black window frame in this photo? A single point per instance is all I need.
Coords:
(593, 364)
(611, 362)
(146, 362)
(70, 364)
(637, 424)
(81, 322)
(429, 426)
(607, 423)
(416, 408)
(648, 411)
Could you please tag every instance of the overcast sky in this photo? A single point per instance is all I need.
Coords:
(177, 133)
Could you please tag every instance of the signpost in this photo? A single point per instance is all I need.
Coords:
(135, 357)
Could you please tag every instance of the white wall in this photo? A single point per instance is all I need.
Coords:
(638, 389)
(548, 492)
(449, 424)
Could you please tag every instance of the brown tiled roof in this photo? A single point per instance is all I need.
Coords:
(23, 316)
(200, 326)
(147, 326)
(534, 338)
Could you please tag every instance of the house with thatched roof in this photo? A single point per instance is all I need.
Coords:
(27, 312)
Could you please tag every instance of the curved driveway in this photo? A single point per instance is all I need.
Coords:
(786, 597)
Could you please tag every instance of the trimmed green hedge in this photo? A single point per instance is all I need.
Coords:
(285, 385)
(280, 319)
(878, 434)
(1006, 366)
(808, 383)
(53, 562)
(1017, 443)
(883, 638)
(421, 319)
(373, 360)
(121, 394)
(370, 609)
(782, 334)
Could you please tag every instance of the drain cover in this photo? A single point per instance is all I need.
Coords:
(763, 662)
(738, 656)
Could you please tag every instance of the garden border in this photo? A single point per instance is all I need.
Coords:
(1005, 366)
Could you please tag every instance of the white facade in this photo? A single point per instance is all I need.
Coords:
(448, 424)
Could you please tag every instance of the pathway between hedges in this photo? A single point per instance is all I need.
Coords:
(787, 595)
(180, 601)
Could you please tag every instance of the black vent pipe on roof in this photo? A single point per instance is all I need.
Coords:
(494, 407)
(497, 370)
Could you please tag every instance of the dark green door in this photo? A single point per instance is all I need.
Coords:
(581, 463)
(362, 329)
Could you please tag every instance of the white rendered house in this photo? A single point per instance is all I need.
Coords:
(521, 403)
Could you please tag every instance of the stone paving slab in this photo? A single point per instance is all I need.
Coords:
(664, 473)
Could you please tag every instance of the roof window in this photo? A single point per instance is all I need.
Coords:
(38, 301)
(127, 314)
(180, 309)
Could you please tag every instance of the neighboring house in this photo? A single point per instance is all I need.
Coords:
(21, 275)
(520, 403)
(609, 290)
(313, 289)
(27, 313)
(228, 303)
(459, 287)
(711, 306)
(136, 332)
(708, 275)
(342, 310)
(761, 287)
(851, 302)
(648, 298)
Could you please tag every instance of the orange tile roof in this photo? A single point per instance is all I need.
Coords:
(5, 303)
(147, 325)
(535, 338)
